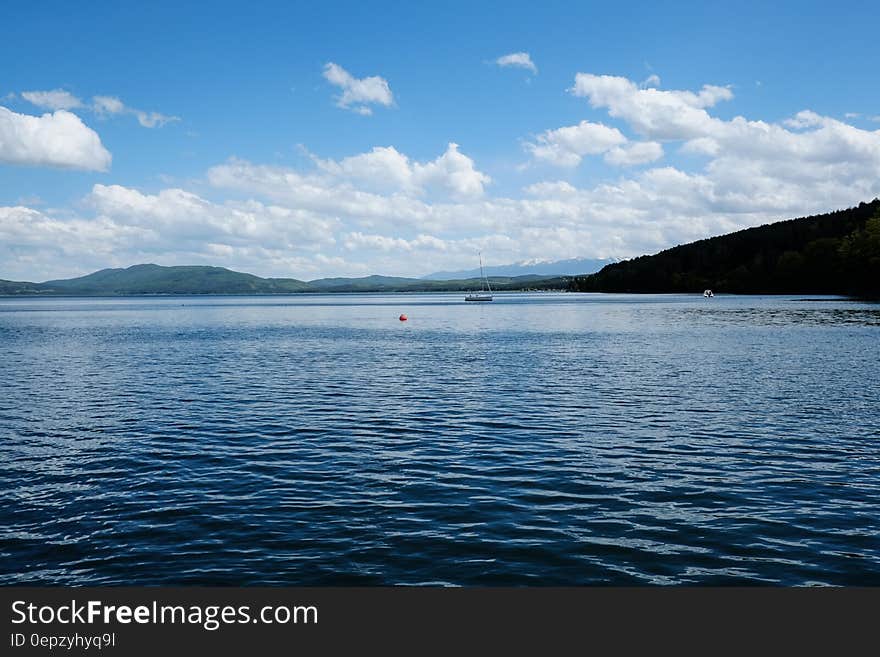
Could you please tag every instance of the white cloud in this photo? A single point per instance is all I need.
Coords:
(551, 189)
(55, 99)
(153, 119)
(567, 146)
(384, 212)
(755, 172)
(111, 105)
(180, 216)
(357, 240)
(651, 81)
(108, 105)
(384, 167)
(518, 60)
(323, 223)
(454, 172)
(306, 190)
(653, 113)
(59, 139)
(102, 105)
(125, 226)
(358, 94)
(658, 115)
(36, 245)
(634, 153)
(746, 157)
(361, 179)
(803, 119)
(628, 218)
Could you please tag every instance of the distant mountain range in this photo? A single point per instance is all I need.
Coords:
(156, 279)
(569, 267)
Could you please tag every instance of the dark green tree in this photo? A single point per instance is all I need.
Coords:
(833, 253)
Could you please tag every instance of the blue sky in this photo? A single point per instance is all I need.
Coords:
(155, 132)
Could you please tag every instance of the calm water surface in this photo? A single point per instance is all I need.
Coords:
(541, 439)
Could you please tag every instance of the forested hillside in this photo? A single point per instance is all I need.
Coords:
(834, 253)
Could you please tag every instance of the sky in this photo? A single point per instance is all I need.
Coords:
(307, 140)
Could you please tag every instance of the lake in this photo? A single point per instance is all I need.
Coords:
(542, 439)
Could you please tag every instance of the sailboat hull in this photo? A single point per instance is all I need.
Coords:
(478, 297)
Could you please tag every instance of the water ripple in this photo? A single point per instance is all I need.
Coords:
(543, 439)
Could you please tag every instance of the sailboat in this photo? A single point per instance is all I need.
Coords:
(483, 294)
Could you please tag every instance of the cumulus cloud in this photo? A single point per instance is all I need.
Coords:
(307, 190)
(803, 119)
(631, 217)
(383, 167)
(111, 105)
(454, 172)
(653, 113)
(59, 139)
(361, 179)
(55, 99)
(179, 215)
(311, 224)
(358, 93)
(568, 146)
(517, 60)
(34, 244)
(755, 172)
(747, 157)
(126, 226)
(551, 189)
(384, 212)
(357, 240)
(633, 153)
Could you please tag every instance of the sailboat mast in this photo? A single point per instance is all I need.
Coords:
(485, 278)
(482, 275)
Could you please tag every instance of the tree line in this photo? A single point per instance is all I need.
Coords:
(833, 253)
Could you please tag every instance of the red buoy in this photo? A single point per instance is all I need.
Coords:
(403, 318)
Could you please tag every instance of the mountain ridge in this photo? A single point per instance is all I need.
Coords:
(146, 279)
(568, 267)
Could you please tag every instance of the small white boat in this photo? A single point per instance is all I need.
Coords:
(483, 294)
(708, 293)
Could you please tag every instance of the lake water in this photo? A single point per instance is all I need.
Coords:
(540, 439)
